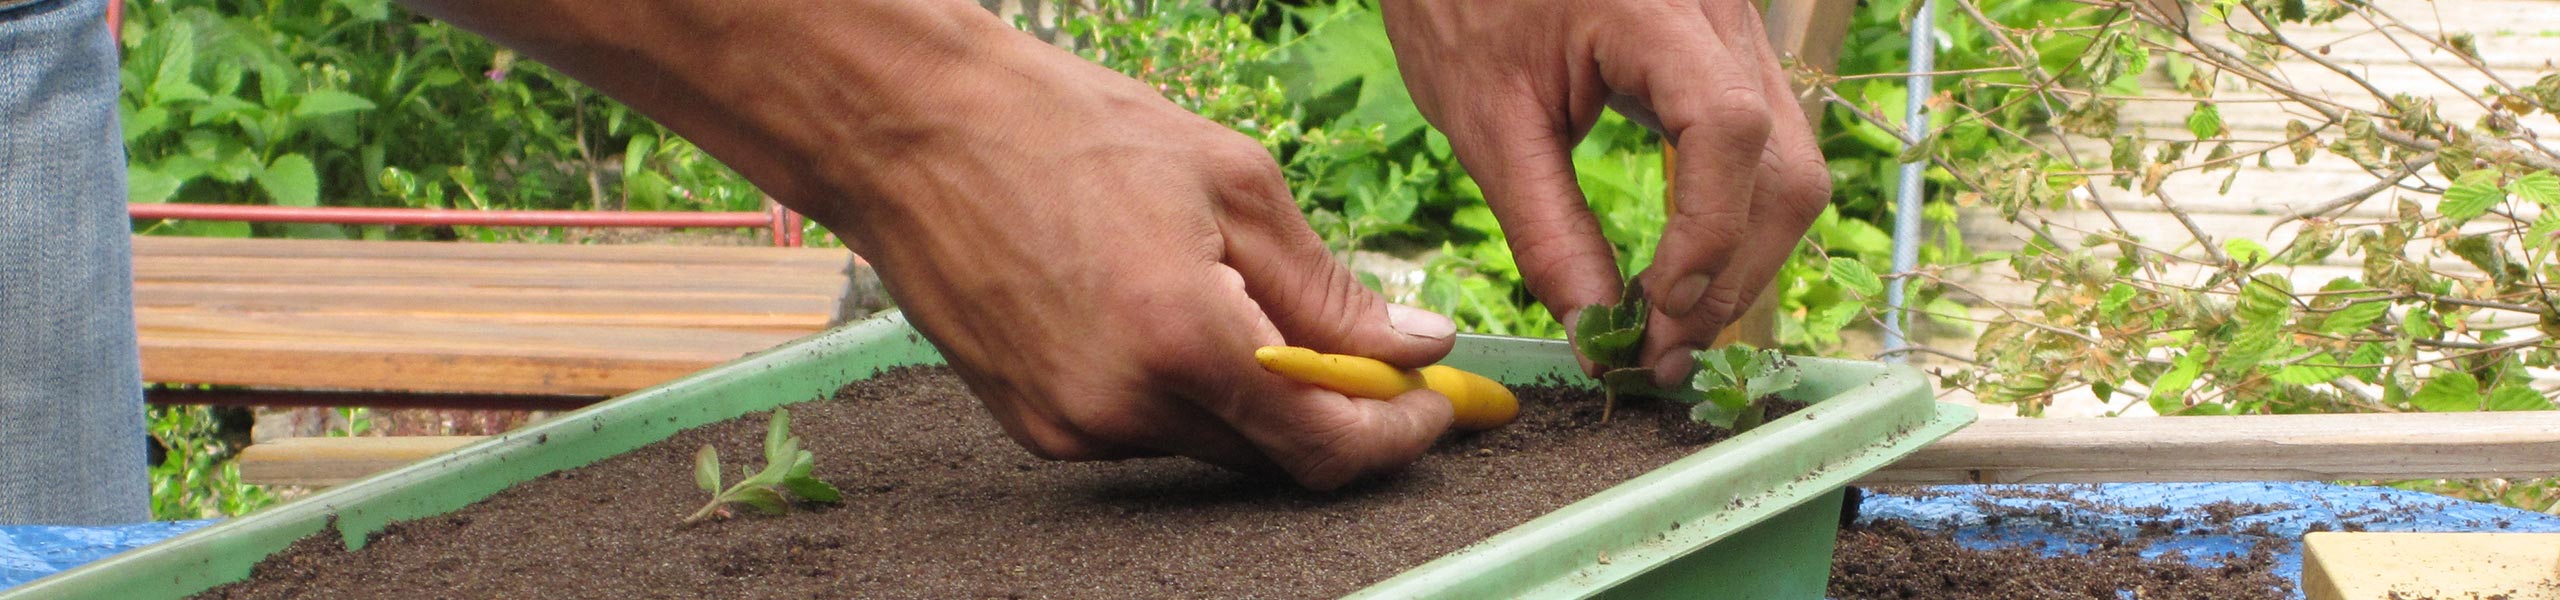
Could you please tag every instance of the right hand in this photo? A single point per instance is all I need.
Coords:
(1099, 266)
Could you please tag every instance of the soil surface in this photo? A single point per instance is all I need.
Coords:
(939, 504)
(1893, 560)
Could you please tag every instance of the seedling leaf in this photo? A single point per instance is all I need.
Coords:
(762, 498)
(706, 469)
(786, 474)
(776, 434)
(813, 490)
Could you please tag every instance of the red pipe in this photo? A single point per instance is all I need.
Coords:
(425, 216)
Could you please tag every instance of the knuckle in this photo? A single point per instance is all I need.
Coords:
(1242, 168)
(1736, 116)
(1107, 420)
(1720, 305)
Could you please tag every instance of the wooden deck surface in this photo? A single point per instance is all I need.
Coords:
(458, 317)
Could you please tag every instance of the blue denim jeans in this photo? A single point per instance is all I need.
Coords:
(71, 419)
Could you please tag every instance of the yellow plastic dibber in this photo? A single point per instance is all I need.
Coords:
(1479, 403)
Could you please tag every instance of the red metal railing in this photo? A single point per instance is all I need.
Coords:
(784, 223)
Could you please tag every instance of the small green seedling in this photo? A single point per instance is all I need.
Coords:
(1730, 380)
(1734, 380)
(785, 474)
(1612, 337)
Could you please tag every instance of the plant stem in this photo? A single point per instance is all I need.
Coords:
(707, 511)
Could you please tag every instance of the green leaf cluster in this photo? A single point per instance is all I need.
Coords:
(1735, 382)
(786, 475)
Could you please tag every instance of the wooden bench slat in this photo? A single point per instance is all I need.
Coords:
(804, 312)
(2090, 450)
(159, 246)
(2240, 448)
(530, 275)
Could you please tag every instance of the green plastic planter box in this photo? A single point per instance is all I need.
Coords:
(1752, 517)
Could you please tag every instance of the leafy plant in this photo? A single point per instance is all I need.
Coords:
(1735, 381)
(1611, 337)
(197, 479)
(786, 475)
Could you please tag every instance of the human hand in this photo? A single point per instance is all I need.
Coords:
(1100, 265)
(1515, 85)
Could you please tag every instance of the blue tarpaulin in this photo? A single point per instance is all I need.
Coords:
(31, 551)
(2203, 521)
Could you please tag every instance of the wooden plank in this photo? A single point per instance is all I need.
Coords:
(805, 312)
(2339, 565)
(2130, 449)
(158, 245)
(533, 275)
(337, 460)
(2240, 448)
(432, 355)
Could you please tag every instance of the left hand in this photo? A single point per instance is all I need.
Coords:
(1515, 85)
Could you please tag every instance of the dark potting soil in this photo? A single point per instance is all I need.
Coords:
(1891, 560)
(939, 504)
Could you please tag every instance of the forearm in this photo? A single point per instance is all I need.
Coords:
(771, 88)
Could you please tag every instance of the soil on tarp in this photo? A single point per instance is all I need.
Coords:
(939, 504)
(1891, 560)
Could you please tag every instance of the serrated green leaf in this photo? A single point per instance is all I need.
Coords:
(1614, 348)
(1829, 320)
(1713, 413)
(2470, 196)
(2245, 251)
(1855, 276)
(2368, 354)
(2420, 324)
(1773, 380)
(2252, 343)
(2354, 317)
(706, 469)
(1728, 402)
(329, 102)
(2449, 391)
(2265, 298)
(2116, 298)
(291, 181)
(2168, 391)
(2538, 187)
(143, 185)
(2544, 227)
(762, 498)
(2206, 121)
(2320, 369)
(2518, 397)
(2480, 251)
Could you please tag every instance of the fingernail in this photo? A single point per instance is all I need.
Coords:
(1420, 323)
(1685, 295)
(1672, 370)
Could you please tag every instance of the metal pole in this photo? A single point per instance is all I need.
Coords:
(1907, 197)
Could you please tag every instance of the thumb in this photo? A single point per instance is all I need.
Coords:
(1317, 302)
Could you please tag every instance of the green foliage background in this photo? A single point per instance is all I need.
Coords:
(359, 103)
